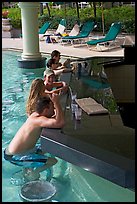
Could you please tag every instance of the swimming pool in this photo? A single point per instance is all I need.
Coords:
(73, 184)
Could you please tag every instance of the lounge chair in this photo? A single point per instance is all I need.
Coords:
(84, 33)
(60, 30)
(43, 30)
(108, 40)
(74, 32)
(61, 27)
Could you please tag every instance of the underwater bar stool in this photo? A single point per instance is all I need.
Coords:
(34, 189)
(37, 191)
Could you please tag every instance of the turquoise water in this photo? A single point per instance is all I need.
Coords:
(72, 183)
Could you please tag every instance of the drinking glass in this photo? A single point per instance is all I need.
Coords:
(78, 113)
(74, 107)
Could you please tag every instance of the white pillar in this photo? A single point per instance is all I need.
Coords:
(29, 15)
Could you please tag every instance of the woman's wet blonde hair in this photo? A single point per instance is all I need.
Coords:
(36, 91)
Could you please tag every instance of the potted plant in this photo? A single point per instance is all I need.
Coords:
(5, 14)
(6, 21)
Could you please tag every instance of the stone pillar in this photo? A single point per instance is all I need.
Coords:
(31, 57)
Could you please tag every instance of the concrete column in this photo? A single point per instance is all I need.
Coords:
(31, 57)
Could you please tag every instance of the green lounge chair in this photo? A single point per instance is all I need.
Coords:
(44, 28)
(61, 27)
(108, 40)
(58, 33)
(84, 33)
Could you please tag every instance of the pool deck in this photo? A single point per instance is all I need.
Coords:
(80, 52)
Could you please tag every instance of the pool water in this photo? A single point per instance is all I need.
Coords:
(72, 183)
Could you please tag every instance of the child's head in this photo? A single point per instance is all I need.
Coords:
(55, 55)
(49, 76)
(52, 64)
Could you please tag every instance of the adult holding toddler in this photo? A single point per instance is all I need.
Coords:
(52, 86)
(60, 67)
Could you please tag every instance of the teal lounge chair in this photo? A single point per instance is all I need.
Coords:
(58, 33)
(44, 28)
(84, 33)
(61, 27)
(108, 40)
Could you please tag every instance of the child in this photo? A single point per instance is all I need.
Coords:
(51, 86)
(53, 65)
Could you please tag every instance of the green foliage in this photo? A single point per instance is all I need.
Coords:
(124, 14)
(15, 16)
(107, 99)
(43, 19)
(128, 26)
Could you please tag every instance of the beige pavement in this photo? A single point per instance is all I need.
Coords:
(67, 50)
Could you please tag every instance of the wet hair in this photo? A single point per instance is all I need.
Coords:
(42, 103)
(55, 53)
(36, 91)
(50, 62)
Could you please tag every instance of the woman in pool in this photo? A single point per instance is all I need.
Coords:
(37, 90)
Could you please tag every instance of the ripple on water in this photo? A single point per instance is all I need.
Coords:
(7, 102)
